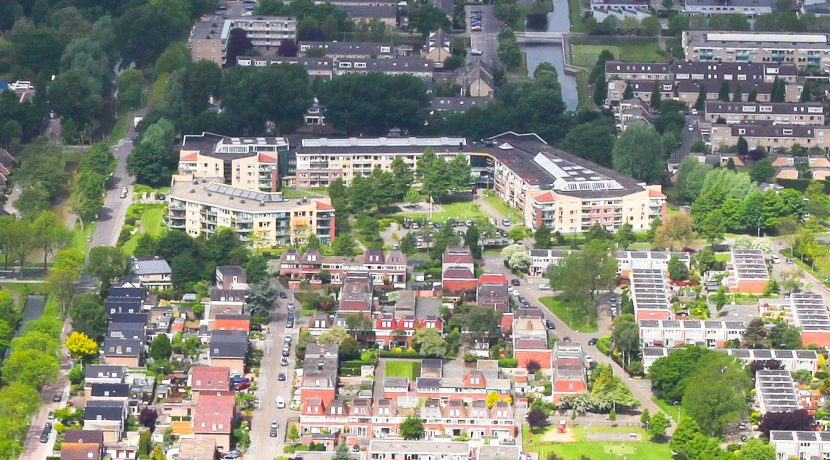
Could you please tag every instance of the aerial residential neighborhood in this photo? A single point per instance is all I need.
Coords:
(435, 230)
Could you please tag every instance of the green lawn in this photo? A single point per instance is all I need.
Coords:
(290, 193)
(407, 369)
(152, 223)
(577, 25)
(722, 257)
(501, 206)
(576, 318)
(460, 211)
(585, 51)
(586, 94)
(675, 412)
(597, 450)
(79, 237)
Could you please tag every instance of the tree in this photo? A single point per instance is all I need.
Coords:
(700, 103)
(542, 238)
(349, 349)
(762, 171)
(263, 298)
(581, 274)
(678, 271)
(106, 263)
(806, 92)
(650, 26)
(536, 418)
(716, 393)
(592, 141)
(88, 315)
(238, 45)
(670, 375)
(49, 233)
(639, 153)
(738, 95)
(645, 417)
(625, 236)
(779, 90)
(145, 442)
(64, 275)
(657, 426)
(80, 346)
(430, 343)
(532, 366)
(427, 18)
(471, 240)
(342, 452)
(147, 418)
(335, 335)
(160, 348)
(756, 449)
(412, 428)
(343, 245)
(797, 420)
(627, 337)
(723, 92)
(675, 231)
(656, 98)
(36, 340)
(153, 159)
(30, 367)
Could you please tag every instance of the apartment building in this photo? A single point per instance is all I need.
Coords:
(352, 50)
(650, 294)
(775, 391)
(792, 360)
(674, 333)
(803, 113)
(802, 445)
(749, 8)
(805, 310)
(747, 271)
(770, 136)
(251, 163)
(320, 161)
(541, 259)
(330, 67)
(566, 193)
(805, 50)
(620, 70)
(209, 36)
(201, 206)
(418, 450)
(632, 111)
(384, 269)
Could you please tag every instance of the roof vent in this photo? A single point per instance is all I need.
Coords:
(192, 190)
(230, 198)
(242, 201)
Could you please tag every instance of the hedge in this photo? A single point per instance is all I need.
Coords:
(508, 362)
(403, 354)
(801, 184)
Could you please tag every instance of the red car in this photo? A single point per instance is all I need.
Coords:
(242, 386)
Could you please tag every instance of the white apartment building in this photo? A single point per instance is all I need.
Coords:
(792, 360)
(209, 37)
(201, 206)
(793, 113)
(801, 445)
(805, 50)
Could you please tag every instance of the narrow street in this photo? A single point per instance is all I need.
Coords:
(264, 447)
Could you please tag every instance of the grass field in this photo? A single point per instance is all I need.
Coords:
(152, 223)
(675, 412)
(584, 53)
(499, 205)
(407, 369)
(460, 211)
(585, 92)
(596, 450)
(576, 318)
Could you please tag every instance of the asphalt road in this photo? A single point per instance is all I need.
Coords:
(487, 40)
(264, 447)
(689, 138)
(106, 233)
(641, 388)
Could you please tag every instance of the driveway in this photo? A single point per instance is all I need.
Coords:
(641, 388)
(264, 447)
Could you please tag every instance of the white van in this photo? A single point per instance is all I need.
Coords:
(124, 192)
(280, 402)
(775, 258)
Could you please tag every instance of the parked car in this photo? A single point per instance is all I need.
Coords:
(57, 397)
(544, 286)
(592, 342)
(242, 386)
(281, 377)
(566, 340)
(273, 433)
(280, 402)
(232, 455)
(237, 379)
(275, 424)
(515, 282)
(283, 295)
(550, 324)
(284, 361)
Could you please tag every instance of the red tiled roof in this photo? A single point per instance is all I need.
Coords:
(321, 206)
(210, 378)
(546, 197)
(85, 451)
(214, 414)
(492, 278)
(190, 156)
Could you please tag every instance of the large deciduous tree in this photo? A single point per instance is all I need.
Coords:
(639, 153)
(581, 274)
(716, 393)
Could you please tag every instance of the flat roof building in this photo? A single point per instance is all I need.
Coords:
(201, 206)
(650, 294)
(805, 50)
(747, 271)
(750, 8)
(805, 310)
(210, 35)
(775, 391)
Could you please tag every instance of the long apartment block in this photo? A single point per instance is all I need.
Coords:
(775, 391)
(201, 206)
(805, 50)
(326, 68)
(805, 310)
(797, 113)
(210, 35)
(542, 259)
(675, 333)
(770, 135)
(792, 360)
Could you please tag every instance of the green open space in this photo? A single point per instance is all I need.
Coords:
(672, 410)
(152, 223)
(406, 369)
(575, 317)
(501, 206)
(292, 193)
(599, 450)
(586, 50)
(586, 94)
(463, 210)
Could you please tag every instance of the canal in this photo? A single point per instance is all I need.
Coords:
(556, 21)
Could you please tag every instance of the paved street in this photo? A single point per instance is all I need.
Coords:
(641, 388)
(487, 40)
(264, 447)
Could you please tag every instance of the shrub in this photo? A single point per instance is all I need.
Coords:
(508, 362)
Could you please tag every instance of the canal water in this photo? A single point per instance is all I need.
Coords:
(556, 21)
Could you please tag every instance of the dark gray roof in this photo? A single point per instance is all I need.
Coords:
(220, 348)
(112, 390)
(103, 371)
(427, 383)
(119, 291)
(122, 347)
(458, 104)
(104, 410)
(84, 436)
(140, 318)
(149, 266)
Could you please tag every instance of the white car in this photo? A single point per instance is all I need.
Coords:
(280, 402)
(544, 286)
(476, 52)
(691, 127)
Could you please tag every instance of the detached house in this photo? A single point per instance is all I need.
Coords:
(151, 271)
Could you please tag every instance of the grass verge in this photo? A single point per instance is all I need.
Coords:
(675, 412)
(575, 317)
(586, 95)
(576, 18)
